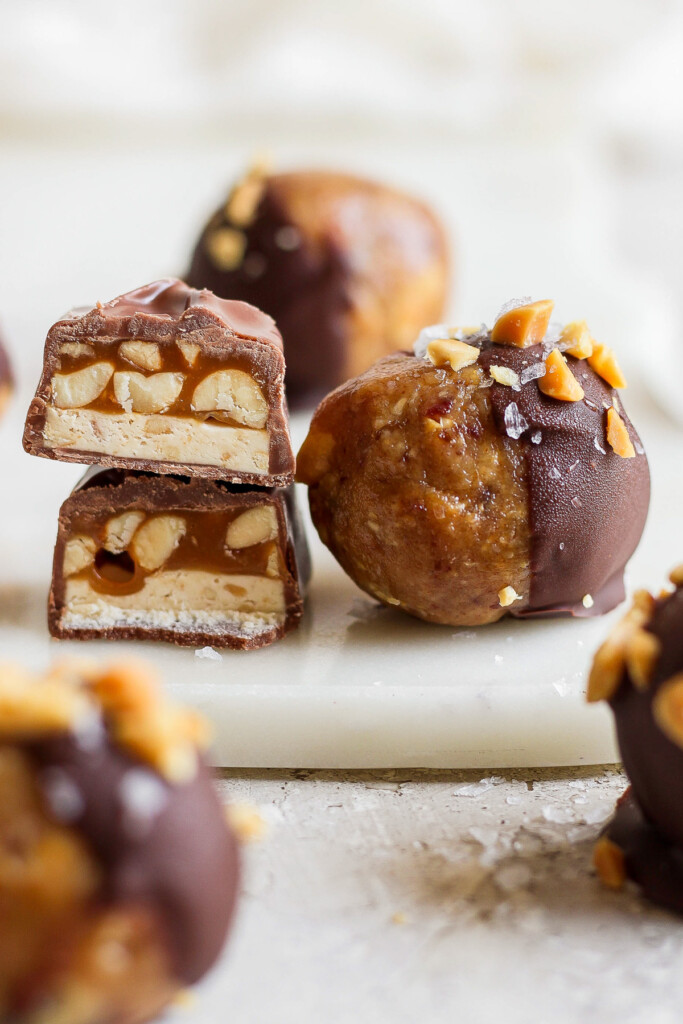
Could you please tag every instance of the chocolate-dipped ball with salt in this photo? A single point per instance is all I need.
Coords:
(639, 670)
(486, 473)
(349, 269)
(118, 872)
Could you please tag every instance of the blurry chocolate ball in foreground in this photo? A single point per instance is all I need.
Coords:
(118, 874)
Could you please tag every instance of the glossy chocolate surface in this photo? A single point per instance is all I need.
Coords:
(587, 505)
(162, 846)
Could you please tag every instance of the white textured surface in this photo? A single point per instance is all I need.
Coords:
(503, 919)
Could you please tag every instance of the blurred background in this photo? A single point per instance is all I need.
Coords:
(548, 135)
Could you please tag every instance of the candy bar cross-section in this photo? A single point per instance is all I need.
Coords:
(166, 379)
(189, 561)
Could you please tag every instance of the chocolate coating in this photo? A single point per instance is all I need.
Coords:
(165, 311)
(111, 492)
(582, 511)
(349, 269)
(653, 762)
(587, 507)
(650, 861)
(180, 860)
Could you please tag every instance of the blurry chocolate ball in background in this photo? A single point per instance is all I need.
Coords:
(349, 269)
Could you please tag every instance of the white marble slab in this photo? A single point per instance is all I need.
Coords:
(358, 685)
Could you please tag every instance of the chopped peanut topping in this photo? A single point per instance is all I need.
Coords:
(226, 248)
(559, 382)
(611, 658)
(642, 653)
(667, 709)
(676, 576)
(31, 706)
(457, 354)
(576, 339)
(604, 362)
(505, 375)
(246, 822)
(617, 435)
(608, 860)
(139, 716)
(245, 197)
(507, 596)
(524, 325)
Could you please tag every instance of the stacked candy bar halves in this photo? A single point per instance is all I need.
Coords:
(185, 528)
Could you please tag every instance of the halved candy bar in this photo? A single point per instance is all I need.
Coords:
(169, 380)
(189, 561)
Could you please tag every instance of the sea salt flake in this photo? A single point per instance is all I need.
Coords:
(478, 788)
(510, 877)
(536, 437)
(287, 238)
(576, 501)
(143, 796)
(515, 423)
(532, 372)
(554, 473)
(597, 814)
(513, 304)
(552, 335)
(599, 446)
(208, 654)
(89, 732)
(558, 815)
(63, 796)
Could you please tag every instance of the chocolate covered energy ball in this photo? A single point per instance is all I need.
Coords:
(487, 473)
(349, 269)
(6, 377)
(118, 873)
(639, 670)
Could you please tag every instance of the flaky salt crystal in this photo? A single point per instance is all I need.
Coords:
(532, 372)
(513, 304)
(63, 796)
(515, 423)
(599, 446)
(554, 473)
(536, 437)
(208, 654)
